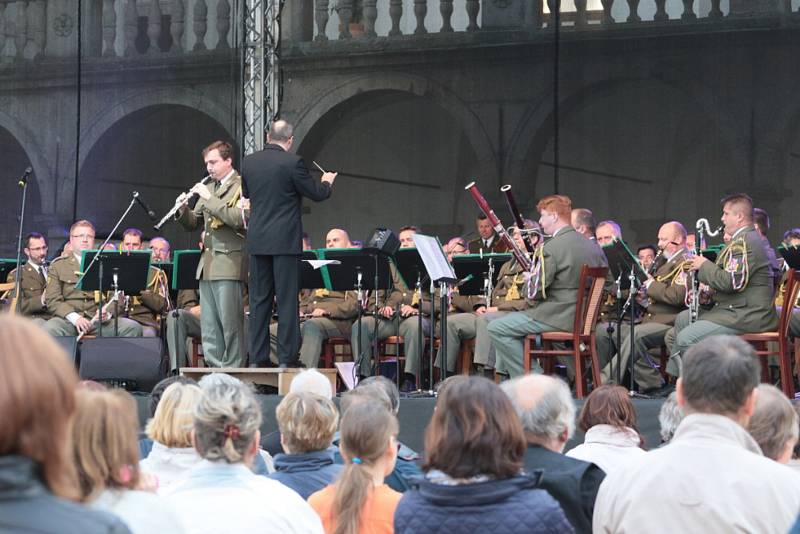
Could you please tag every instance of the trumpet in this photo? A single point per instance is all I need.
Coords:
(171, 213)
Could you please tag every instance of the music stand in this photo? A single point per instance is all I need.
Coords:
(628, 273)
(791, 255)
(6, 266)
(409, 268)
(439, 271)
(311, 277)
(711, 253)
(125, 271)
(184, 272)
(360, 270)
(472, 269)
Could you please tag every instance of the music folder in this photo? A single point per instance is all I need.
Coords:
(472, 269)
(620, 262)
(132, 269)
(184, 270)
(343, 274)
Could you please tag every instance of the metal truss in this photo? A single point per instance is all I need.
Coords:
(262, 90)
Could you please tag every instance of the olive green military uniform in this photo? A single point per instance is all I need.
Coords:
(33, 282)
(220, 271)
(147, 307)
(181, 323)
(564, 256)
(508, 296)
(461, 325)
(63, 299)
(743, 282)
(341, 308)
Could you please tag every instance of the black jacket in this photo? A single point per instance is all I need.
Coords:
(27, 506)
(275, 181)
(573, 483)
(508, 506)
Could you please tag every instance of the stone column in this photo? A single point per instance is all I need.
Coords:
(177, 25)
(200, 24)
(223, 23)
(154, 27)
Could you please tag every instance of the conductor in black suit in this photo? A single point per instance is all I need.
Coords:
(275, 181)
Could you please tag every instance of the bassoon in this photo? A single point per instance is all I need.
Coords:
(519, 255)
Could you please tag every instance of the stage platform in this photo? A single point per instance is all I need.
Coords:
(280, 379)
(416, 412)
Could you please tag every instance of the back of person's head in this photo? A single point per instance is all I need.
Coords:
(368, 433)
(609, 405)
(37, 400)
(388, 386)
(172, 423)
(161, 386)
(307, 422)
(311, 381)
(544, 406)
(367, 393)
(226, 422)
(212, 380)
(669, 417)
(719, 375)
(474, 431)
(104, 440)
(774, 423)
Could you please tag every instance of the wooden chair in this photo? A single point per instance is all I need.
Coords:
(329, 355)
(195, 352)
(465, 355)
(587, 309)
(392, 341)
(761, 340)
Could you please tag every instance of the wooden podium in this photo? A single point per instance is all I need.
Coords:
(278, 378)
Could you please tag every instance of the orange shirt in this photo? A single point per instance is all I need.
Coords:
(376, 518)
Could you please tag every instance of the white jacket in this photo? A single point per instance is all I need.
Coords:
(609, 447)
(169, 464)
(710, 478)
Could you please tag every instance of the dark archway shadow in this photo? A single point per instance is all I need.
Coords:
(15, 161)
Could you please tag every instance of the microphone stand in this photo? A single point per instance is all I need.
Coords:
(95, 258)
(610, 330)
(360, 309)
(23, 183)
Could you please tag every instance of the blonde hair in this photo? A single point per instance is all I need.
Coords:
(37, 400)
(307, 422)
(105, 445)
(367, 429)
(226, 421)
(173, 420)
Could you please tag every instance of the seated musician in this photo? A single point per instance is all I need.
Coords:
(147, 307)
(488, 241)
(74, 311)
(33, 279)
(552, 287)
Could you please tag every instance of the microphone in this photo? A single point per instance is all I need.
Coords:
(150, 213)
(24, 180)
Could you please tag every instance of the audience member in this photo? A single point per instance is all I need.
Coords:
(669, 417)
(611, 439)
(547, 413)
(307, 423)
(712, 476)
(145, 443)
(170, 429)
(474, 448)
(774, 424)
(37, 400)
(360, 501)
(382, 390)
(106, 455)
(311, 381)
(221, 494)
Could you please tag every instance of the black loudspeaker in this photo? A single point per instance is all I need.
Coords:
(382, 241)
(70, 346)
(132, 363)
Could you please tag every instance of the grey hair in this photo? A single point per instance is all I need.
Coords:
(550, 415)
(312, 381)
(281, 131)
(774, 422)
(719, 374)
(388, 386)
(226, 421)
(669, 417)
(614, 226)
(217, 379)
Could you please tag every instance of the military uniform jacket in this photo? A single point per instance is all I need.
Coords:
(402, 294)
(341, 306)
(667, 292)
(187, 298)
(510, 290)
(61, 296)
(222, 219)
(476, 246)
(565, 254)
(148, 306)
(33, 284)
(748, 308)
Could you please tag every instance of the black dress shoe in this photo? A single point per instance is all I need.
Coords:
(256, 365)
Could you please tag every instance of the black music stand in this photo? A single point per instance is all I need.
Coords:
(791, 255)
(411, 268)
(121, 271)
(184, 271)
(472, 269)
(6, 266)
(711, 253)
(628, 273)
(359, 270)
(311, 277)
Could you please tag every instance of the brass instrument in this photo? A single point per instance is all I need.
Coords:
(702, 229)
(171, 213)
(100, 313)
